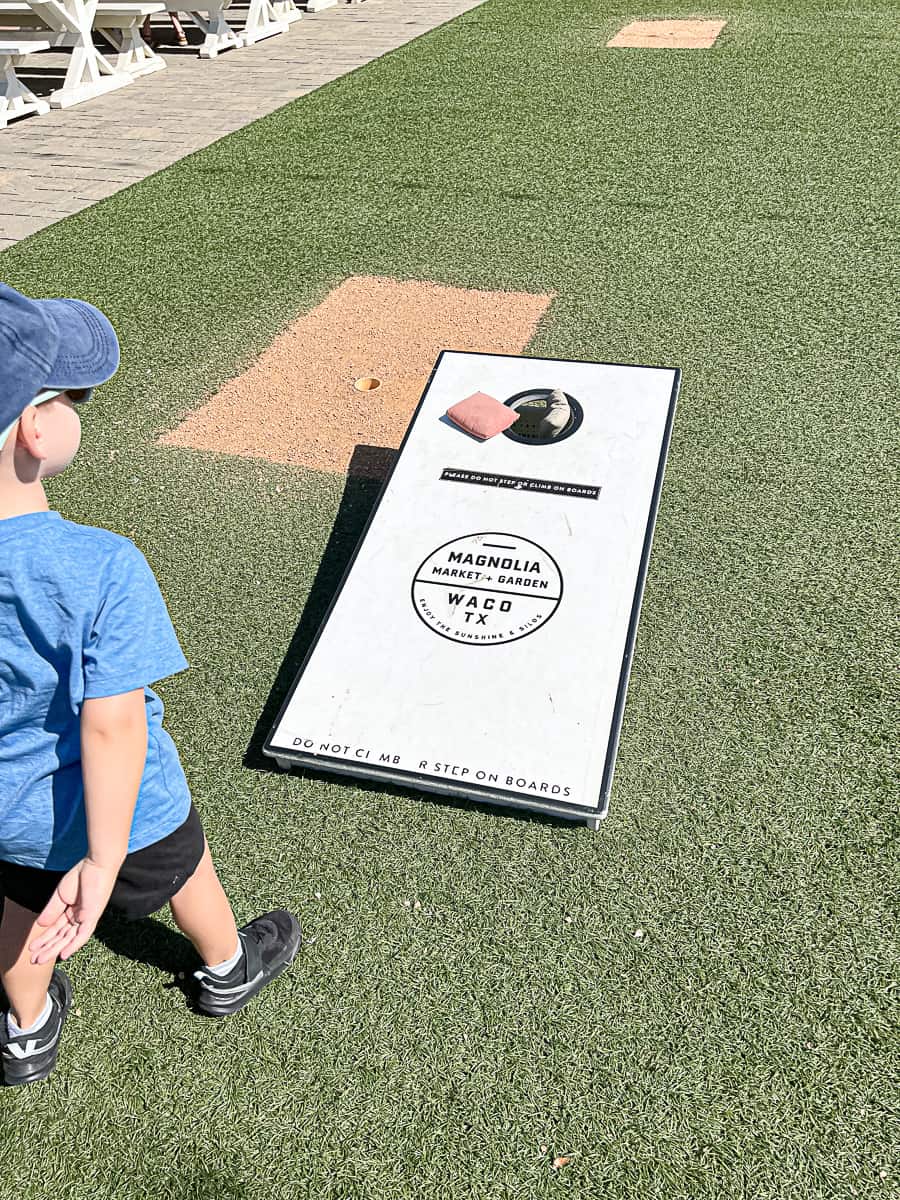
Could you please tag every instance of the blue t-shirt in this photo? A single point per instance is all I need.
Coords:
(81, 616)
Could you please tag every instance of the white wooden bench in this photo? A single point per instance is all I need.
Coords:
(16, 100)
(66, 24)
(268, 17)
(120, 25)
(286, 10)
(211, 20)
(264, 19)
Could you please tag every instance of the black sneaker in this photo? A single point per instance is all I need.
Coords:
(270, 946)
(30, 1057)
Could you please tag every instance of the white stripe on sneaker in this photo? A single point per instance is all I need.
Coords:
(32, 1046)
(213, 984)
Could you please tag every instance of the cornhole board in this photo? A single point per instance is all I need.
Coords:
(480, 642)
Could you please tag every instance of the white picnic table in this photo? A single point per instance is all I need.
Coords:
(27, 26)
(265, 18)
(69, 25)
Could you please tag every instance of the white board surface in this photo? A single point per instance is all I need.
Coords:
(481, 640)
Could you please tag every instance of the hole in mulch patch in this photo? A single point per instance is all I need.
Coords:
(668, 35)
(309, 400)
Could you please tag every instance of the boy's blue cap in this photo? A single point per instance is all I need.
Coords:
(50, 344)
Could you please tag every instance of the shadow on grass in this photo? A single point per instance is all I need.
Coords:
(365, 478)
(145, 941)
(150, 941)
(368, 469)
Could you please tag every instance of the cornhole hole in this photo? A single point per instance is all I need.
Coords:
(480, 642)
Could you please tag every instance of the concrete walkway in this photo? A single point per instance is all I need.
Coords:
(54, 165)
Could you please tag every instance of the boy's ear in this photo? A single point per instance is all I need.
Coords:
(29, 434)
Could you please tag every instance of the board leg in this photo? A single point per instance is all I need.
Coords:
(593, 823)
(283, 764)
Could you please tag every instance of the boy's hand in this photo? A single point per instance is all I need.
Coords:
(113, 752)
(72, 913)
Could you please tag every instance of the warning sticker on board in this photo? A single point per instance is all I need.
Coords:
(487, 588)
(523, 483)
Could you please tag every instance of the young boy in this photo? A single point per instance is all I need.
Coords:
(94, 805)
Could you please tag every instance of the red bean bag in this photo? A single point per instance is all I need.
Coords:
(482, 415)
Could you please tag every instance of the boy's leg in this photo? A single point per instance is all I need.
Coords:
(39, 995)
(25, 982)
(238, 963)
(202, 912)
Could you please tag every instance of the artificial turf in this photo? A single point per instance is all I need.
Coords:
(475, 998)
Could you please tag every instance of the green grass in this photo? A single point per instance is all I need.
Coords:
(728, 211)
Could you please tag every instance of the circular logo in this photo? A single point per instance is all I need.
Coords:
(487, 588)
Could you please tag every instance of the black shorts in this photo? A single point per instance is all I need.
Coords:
(147, 880)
